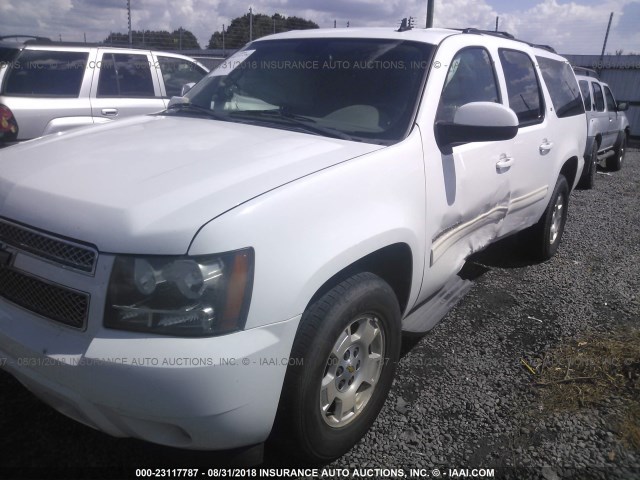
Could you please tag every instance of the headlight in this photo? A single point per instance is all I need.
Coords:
(182, 296)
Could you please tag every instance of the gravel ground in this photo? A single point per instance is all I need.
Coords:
(462, 398)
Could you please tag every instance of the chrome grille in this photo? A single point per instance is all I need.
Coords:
(55, 302)
(63, 252)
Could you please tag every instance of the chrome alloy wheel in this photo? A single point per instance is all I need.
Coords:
(556, 219)
(352, 371)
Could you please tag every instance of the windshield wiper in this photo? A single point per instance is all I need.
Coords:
(306, 124)
(190, 107)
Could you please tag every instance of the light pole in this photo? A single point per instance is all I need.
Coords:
(430, 13)
(129, 18)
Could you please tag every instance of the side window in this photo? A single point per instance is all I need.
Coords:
(523, 88)
(598, 97)
(562, 85)
(586, 94)
(125, 75)
(611, 103)
(176, 72)
(471, 78)
(47, 73)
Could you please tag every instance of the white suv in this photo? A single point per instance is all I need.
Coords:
(245, 262)
(48, 87)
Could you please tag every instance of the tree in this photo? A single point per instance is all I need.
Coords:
(237, 34)
(156, 39)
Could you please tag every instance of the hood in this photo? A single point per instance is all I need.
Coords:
(147, 184)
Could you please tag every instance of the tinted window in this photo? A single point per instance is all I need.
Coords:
(125, 75)
(362, 89)
(611, 103)
(598, 97)
(177, 72)
(7, 55)
(45, 73)
(522, 86)
(562, 86)
(586, 94)
(470, 78)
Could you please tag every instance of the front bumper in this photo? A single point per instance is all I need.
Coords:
(202, 393)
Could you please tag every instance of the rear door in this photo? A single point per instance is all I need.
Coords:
(125, 83)
(47, 89)
(532, 149)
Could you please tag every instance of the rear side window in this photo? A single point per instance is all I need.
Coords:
(611, 103)
(177, 72)
(470, 78)
(523, 88)
(586, 94)
(7, 55)
(46, 73)
(125, 75)
(562, 86)
(598, 97)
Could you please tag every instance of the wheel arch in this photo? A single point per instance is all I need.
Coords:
(393, 263)
(569, 170)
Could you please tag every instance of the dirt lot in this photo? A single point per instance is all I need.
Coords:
(534, 374)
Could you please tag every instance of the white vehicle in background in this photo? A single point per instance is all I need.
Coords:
(608, 126)
(243, 264)
(49, 87)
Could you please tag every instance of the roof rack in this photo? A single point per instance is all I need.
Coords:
(587, 72)
(507, 35)
(488, 32)
(29, 38)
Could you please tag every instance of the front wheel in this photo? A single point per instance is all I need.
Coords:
(614, 162)
(346, 350)
(544, 237)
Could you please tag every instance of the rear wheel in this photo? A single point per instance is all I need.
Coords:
(346, 350)
(614, 162)
(544, 237)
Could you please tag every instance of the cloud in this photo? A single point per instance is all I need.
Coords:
(570, 26)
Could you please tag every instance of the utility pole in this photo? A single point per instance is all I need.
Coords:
(430, 13)
(129, 19)
(250, 24)
(223, 52)
(274, 25)
(335, 24)
(606, 37)
(85, 37)
(180, 33)
(497, 20)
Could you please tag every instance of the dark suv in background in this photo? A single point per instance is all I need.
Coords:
(48, 87)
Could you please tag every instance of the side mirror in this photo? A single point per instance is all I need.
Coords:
(185, 88)
(623, 107)
(477, 122)
(177, 101)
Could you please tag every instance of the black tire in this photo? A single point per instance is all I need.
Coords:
(544, 237)
(301, 427)
(614, 163)
(588, 178)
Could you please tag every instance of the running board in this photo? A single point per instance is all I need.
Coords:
(429, 314)
(607, 154)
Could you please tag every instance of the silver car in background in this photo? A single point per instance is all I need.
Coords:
(48, 87)
(608, 126)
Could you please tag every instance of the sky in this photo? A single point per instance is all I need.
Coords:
(571, 27)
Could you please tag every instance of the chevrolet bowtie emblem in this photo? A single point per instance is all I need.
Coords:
(350, 369)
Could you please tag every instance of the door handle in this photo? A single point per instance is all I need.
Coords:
(110, 112)
(504, 162)
(545, 147)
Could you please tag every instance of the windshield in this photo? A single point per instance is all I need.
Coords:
(357, 89)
